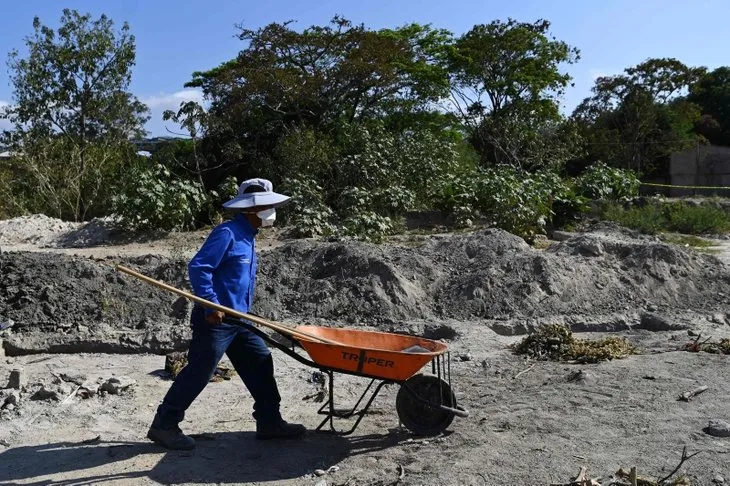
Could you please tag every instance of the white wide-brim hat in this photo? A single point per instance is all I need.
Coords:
(254, 193)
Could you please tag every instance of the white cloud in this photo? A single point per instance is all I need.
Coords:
(168, 101)
(172, 101)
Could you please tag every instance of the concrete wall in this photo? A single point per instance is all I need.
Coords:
(706, 165)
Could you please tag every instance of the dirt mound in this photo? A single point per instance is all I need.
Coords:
(37, 229)
(480, 276)
(71, 303)
(487, 274)
(44, 232)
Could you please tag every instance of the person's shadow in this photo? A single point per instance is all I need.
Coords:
(229, 457)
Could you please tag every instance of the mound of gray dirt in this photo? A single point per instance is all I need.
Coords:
(488, 274)
(61, 303)
(46, 232)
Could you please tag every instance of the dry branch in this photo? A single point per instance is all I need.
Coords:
(687, 396)
(683, 459)
(523, 372)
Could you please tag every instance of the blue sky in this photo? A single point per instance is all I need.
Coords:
(175, 38)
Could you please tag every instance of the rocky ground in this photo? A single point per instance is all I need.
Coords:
(80, 414)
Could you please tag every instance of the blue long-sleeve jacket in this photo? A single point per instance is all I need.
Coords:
(224, 269)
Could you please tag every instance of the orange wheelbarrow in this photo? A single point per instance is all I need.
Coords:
(425, 403)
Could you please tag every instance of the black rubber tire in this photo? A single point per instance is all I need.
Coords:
(418, 417)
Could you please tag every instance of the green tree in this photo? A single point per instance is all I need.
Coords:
(319, 78)
(72, 112)
(712, 94)
(193, 118)
(636, 119)
(506, 83)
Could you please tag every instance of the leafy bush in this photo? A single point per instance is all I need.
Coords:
(517, 201)
(153, 198)
(307, 214)
(457, 196)
(602, 182)
(359, 181)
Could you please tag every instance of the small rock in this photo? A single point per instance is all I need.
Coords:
(692, 333)
(464, 357)
(317, 377)
(718, 479)
(485, 364)
(562, 235)
(64, 389)
(10, 407)
(83, 329)
(16, 380)
(319, 472)
(718, 428)
(657, 323)
(321, 482)
(333, 469)
(4, 442)
(718, 318)
(45, 394)
(87, 390)
(75, 379)
(115, 385)
(12, 399)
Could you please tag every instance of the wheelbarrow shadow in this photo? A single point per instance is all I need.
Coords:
(227, 457)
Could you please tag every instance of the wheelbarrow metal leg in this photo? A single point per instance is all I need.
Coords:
(330, 412)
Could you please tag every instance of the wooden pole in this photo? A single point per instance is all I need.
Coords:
(227, 310)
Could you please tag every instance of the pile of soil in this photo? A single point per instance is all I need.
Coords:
(487, 275)
(45, 232)
(59, 302)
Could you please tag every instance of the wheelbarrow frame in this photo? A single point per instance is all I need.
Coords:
(440, 367)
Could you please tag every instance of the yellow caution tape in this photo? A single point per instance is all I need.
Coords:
(685, 187)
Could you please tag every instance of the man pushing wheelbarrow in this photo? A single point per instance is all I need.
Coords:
(223, 276)
(224, 272)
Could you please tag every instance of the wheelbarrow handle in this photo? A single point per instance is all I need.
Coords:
(227, 310)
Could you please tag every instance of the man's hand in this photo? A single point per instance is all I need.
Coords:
(215, 318)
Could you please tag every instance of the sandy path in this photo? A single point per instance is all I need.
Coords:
(536, 429)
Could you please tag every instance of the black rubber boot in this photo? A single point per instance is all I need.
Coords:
(172, 438)
(279, 430)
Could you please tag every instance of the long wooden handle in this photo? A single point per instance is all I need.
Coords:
(226, 310)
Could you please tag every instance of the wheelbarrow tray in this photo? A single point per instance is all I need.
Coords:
(374, 354)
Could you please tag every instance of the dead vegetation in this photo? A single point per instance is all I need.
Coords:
(556, 342)
(176, 361)
(630, 477)
(720, 347)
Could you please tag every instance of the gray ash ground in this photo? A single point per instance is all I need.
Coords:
(530, 422)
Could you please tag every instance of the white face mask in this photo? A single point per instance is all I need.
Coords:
(267, 217)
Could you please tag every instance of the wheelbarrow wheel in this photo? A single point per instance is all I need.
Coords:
(419, 417)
